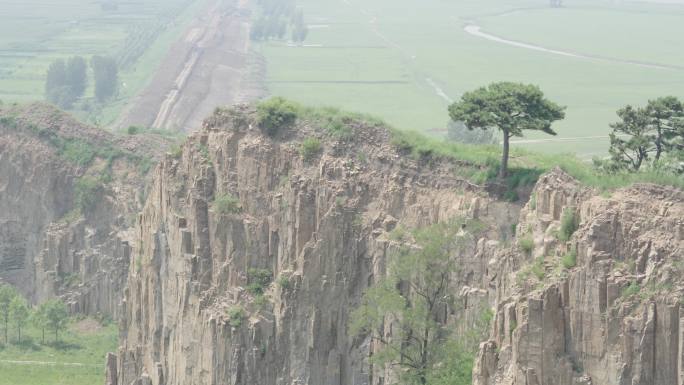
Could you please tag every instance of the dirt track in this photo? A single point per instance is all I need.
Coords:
(210, 66)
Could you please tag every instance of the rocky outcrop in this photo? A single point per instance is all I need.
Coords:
(320, 225)
(49, 245)
(615, 317)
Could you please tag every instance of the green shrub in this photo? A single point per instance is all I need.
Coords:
(284, 282)
(227, 204)
(176, 151)
(538, 268)
(633, 289)
(134, 130)
(526, 245)
(568, 225)
(260, 300)
(275, 114)
(570, 259)
(86, 193)
(258, 280)
(236, 315)
(78, 151)
(309, 148)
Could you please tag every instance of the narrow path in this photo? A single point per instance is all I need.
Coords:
(476, 30)
(48, 363)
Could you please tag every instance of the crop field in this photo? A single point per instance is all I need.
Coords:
(405, 61)
(77, 359)
(137, 34)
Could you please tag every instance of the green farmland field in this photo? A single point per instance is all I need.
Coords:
(78, 358)
(138, 34)
(403, 60)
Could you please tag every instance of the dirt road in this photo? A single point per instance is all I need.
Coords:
(210, 66)
(475, 30)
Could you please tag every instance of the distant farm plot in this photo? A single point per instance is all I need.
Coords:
(137, 34)
(405, 60)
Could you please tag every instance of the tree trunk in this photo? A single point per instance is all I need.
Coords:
(43, 336)
(6, 324)
(659, 142)
(503, 171)
(19, 333)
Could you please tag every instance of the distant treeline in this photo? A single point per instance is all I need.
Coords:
(277, 18)
(67, 80)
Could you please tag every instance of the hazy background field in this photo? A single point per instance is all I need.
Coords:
(404, 60)
(137, 34)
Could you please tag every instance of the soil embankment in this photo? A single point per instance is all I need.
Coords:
(210, 66)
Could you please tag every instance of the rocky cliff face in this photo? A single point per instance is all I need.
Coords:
(49, 244)
(250, 252)
(587, 291)
(615, 317)
(320, 225)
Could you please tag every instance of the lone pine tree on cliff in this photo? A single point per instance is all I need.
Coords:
(509, 107)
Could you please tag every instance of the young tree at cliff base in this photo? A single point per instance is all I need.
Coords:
(413, 299)
(56, 317)
(509, 107)
(7, 294)
(19, 313)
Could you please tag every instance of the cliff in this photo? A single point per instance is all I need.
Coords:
(241, 255)
(68, 193)
(320, 225)
(602, 307)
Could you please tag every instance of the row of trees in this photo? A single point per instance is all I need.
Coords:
(15, 312)
(652, 134)
(277, 18)
(648, 133)
(67, 80)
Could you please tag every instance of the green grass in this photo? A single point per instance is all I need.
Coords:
(385, 57)
(86, 347)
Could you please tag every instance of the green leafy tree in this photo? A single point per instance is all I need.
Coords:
(76, 76)
(39, 318)
(56, 88)
(56, 317)
(666, 123)
(106, 75)
(630, 143)
(413, 298)
(7, 294)
(510, 107)
(19, 313)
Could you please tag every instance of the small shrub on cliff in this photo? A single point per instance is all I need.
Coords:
(309, 148)
(275, 114)
(236, 315)
(227, 204)
(568, 225)
(570, 259)
(526, 245)
(538, 268)
(258, 279)
(284, 282)
(86, 193)
(633, 289)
